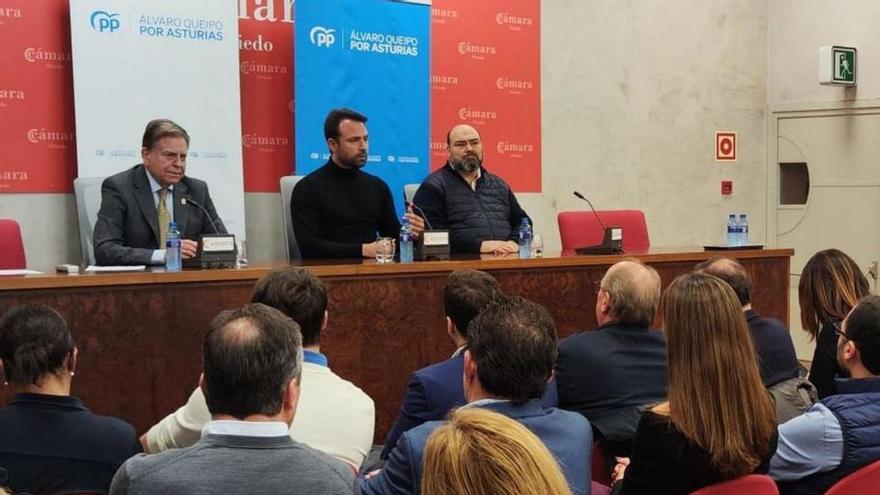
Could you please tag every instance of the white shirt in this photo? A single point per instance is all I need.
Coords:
(245, 428)
(333, 416)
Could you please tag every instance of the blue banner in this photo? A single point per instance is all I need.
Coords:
(372, 56)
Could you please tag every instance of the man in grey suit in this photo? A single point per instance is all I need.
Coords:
(251, 381)
(138, 204)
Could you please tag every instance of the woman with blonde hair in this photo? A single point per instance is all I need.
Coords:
(831, 285)
(481, 452)
(718, 422)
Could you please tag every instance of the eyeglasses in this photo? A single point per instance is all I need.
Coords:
(836, 327)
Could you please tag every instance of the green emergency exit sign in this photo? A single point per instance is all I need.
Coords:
(837, 65)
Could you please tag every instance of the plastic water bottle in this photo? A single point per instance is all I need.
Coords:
(732, 230)
(172, 249)
(525, 239)
(743, 229)
(406, 241)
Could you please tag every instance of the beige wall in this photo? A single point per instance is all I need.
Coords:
(633, 92)
(796, 30)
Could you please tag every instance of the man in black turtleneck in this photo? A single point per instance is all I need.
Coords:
(338, 209)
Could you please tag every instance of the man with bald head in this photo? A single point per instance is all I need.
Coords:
(478, 207)
(609, 374)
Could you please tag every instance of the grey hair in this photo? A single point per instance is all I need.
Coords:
(634, 289)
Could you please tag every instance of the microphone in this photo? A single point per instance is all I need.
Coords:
(187, 201)
(581, 196)
(421, 214)
(432, 244)
(612, 239)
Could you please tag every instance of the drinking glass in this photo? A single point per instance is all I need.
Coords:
(537, 245)
(384, 250)
(241, 259)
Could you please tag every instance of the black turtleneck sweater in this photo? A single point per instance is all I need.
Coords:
(336, 210)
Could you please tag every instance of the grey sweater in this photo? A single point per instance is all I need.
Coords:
(231, 464)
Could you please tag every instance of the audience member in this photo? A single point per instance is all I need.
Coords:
(609, 374)
(477, 206)
(480, 452)
(252, 369)
(333, 415)
(138, 204)
(509, 358)
(718, 423)
(841, 433)
(338, 209)
(780, 369)
(49, 442)
(831, 284)
(434, 390)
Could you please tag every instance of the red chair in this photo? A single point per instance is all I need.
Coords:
(752, 484)
(862, 482)
(580, 228)
(11, 246)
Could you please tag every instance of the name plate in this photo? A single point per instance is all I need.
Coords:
(435, 238)
(221, 243)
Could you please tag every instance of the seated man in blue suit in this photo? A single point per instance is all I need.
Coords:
(609, 374)
(509, 358)
(434, 390)
(138, 204)
(780, 368)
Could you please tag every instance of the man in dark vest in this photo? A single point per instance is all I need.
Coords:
(841, 433)
(478, 207)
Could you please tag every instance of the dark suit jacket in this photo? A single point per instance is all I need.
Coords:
(432, 392)
(52, 444)
(776, 355)
(609, 374)
(565, 434)
(127, 230)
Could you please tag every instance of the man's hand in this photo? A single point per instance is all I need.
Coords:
(188, 248)
(619, 469)
(368, 250)
(499, 247)
(416, 222)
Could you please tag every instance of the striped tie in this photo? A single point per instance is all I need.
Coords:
(164, 217)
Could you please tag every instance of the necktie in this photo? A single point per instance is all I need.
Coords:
(164, 217)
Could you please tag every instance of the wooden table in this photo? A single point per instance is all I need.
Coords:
(140, 334)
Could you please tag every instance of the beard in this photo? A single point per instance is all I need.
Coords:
(353, 161)
(468, 164)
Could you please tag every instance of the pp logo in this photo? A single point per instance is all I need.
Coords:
(321, 36)
(104, 21)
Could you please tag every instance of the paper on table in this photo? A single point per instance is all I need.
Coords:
(19, 272)
(121, 268)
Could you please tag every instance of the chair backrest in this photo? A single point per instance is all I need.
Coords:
(752, 484)
(87, 191)
(12, 256)
(409, 192)
(581, 228)
(862, 482)
(287, 182)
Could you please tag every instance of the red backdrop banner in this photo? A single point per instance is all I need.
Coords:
(266, 66)
(486, 71)
(36, 97)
